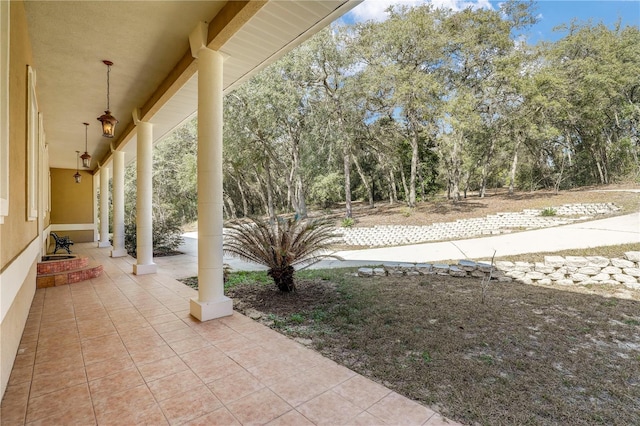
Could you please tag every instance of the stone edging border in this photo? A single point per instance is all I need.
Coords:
(559, 270)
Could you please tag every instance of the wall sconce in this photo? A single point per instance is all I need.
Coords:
(86, 158)
(77, 176)
(108, 121)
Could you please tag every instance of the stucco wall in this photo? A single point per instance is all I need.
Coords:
(72, 205)
(17, 232)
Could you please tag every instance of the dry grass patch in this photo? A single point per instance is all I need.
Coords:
(529, 355)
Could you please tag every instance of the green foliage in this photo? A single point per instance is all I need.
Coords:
(280, 245)
(246, 277)
(327, 189)
(347, 222)
(549, 211)
(167, 237)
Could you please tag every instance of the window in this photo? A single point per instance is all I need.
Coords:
(33, 146)
(4, 109)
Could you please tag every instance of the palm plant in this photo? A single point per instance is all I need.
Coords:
(280, 245)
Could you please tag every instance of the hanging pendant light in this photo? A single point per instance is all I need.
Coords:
(86, 158)
(108, 121)
(77, 176)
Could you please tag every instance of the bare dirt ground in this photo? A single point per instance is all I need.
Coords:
(439, 209)
(529, 355)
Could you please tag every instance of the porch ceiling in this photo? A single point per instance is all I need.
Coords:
(148, 42)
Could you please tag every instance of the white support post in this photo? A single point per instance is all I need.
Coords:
(118, 205)
(144, 215)
(104, 208)
(211, 302)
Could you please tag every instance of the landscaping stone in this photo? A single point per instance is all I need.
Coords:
(634, 272)
(622, 263)
(576, 261)
(467, 265)
(454, 271)
(633, 256)
(504, 264)
(365, 272)
(625, 279)
(545, 281)
(555, 261)
(515, 274)
(523, 266)
(598, 261)
(555, 276)
(580, 277)
(505, 279)
(379, 272)
(611, 270)
(541, 267)
(589, 270)
(564, 282)
(601, 277)
(534, 275)
(485, 267)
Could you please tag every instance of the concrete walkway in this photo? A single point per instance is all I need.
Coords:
(610, 231)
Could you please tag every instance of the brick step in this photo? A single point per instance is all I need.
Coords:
(55, 279)
(61, 262)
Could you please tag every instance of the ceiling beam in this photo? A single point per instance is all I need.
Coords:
(231, 18)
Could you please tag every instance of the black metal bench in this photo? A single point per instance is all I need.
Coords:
(62, 243)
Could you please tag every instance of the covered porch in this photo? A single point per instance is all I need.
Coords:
(124, 349)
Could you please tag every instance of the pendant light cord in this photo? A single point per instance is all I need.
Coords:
(108, 71)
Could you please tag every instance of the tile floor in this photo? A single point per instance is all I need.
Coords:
(123, 349)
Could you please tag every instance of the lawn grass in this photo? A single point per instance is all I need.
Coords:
(528, 355)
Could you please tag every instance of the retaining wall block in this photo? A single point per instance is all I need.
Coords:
(544, 281)
(379, 272)
(413, 272)
(440, 268)
(564, 282)
(625, 279)
(580, 277)
(478, 274)
(576, 261)
(611, 270)
(424, 268)
(505, 279)
(395, 272)
(555, 276)
(633, 256)
(485, 267)
(541, 267)
(526, 281)
(622, 263)
(535, 275)
(523, 266)
(634, 272)
(515, 274)
(365, 272)
(598, 261)
(555, 261)
(504, 264)
(601, 277)
(589, 270)
(467, 265)
(454, 271)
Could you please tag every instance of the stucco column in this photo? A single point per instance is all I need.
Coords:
(104, 208)
(144, 231)
(211, 302)
(118, 205)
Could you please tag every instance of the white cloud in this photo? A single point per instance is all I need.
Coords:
(375, 9)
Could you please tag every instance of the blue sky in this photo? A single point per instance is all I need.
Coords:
(551, 13)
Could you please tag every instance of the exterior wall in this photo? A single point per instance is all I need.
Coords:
(72, 205)
(19, 242)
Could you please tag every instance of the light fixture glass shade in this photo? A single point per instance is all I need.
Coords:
(77, 177)
(108, 124)
(86, 160)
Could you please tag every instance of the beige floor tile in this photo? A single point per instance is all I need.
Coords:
(124, 402)
(14, 404)
(21, 375)
(108, 367)
(361, 391)
(161, 368)
(219, 417)
(259, 407)
(291, 418)
(48, 382)
(234, 343)
(189, 345)
(150, 415)
(168, 326)
(60, 403)
(213, 368)
(174, 384)
(103, 348)
(176, 335)
(144, 355)
(235, 386)
(398, 410)
(114, 383)
(299, 388)
(438, 420)
(365, 419)
(189, 405)
(329, 409)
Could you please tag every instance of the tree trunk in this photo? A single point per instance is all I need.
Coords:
(346, 160)
(269, 184)
(414, 170)
(243, 197)
(485, 168)
(231, 213)
(393, 193)
(404, 184)
(366, 184)
(514, 165)
(265, 205)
